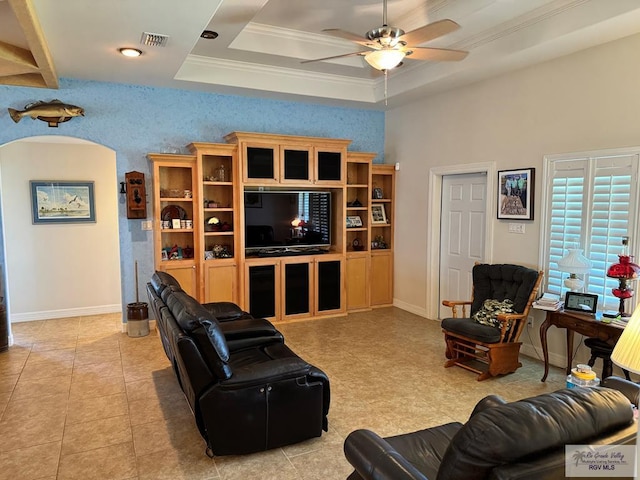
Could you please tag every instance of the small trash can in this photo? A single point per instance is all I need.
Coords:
(137, 319)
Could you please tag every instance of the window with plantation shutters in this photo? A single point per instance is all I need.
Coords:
(591, 202)
(318, 215)
(314, 210)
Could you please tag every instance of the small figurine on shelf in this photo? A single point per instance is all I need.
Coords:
(220, 173)
(175, 253)
(380, 242)
(221, 251)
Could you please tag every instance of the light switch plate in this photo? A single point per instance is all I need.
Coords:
(516, 228)
(146, 225)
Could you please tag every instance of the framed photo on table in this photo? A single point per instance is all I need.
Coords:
(515, 194)
(378, 215)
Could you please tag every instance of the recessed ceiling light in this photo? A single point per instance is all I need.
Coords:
(209, 34)
(130, 52)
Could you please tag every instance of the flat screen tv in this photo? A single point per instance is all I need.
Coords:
(276, 220)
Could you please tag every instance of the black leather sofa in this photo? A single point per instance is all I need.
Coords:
(247, 390)
(519, 440)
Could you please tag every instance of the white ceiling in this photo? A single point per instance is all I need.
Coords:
(262, 42)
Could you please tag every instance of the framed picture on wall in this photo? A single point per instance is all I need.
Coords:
(62, 202)
(515, 194)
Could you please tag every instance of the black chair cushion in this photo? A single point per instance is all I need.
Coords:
(213, 347)
(472, 329)
(196, 321)
(548, 421)
(502, 281)
(160, 280)
(490, 401)
(226, 311)
(426, 448)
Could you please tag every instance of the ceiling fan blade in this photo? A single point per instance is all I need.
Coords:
(335, 56)
(429, 32)
(352, 37)
(438, 54)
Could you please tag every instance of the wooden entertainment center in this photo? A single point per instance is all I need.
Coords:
(199, 225)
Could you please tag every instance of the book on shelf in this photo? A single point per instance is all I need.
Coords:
(550, 308)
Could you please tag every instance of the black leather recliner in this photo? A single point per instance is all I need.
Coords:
(240, 328)
(258, 396)
(519, 440)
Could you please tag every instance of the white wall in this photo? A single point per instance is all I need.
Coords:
(60, 270)
(585, 101)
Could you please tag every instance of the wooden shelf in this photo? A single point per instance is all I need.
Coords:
(175, 199)
(217, 184)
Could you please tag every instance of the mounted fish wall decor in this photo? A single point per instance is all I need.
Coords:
(53, 112)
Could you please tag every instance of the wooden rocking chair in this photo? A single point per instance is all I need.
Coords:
(483, 349)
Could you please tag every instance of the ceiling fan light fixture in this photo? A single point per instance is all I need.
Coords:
(130, 52)
(384, 59)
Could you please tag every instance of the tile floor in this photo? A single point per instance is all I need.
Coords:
(81, 400)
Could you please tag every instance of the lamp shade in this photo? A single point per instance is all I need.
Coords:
(574, 262)
(385, 59)
(626, 353)
(625, 268)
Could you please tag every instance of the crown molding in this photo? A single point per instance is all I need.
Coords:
(276, 79)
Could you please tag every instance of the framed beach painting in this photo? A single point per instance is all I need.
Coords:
(62, 202)
(515, 194)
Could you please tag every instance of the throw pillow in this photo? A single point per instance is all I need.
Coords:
(488, 314)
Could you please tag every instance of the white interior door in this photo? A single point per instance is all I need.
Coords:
(462, 234)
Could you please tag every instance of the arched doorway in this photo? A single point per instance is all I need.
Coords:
(67, 269)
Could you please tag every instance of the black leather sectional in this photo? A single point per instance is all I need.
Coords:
(520, 440)
(247, 390)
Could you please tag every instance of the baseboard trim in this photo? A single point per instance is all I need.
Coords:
(555, 359)
(70, 312)
(422, 312)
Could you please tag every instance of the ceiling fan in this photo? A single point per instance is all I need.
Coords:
(389, 46)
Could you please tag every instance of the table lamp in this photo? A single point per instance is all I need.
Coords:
(624, 271)
(574, 263)
(626, 353)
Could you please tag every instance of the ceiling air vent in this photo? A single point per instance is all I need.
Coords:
(154, 39)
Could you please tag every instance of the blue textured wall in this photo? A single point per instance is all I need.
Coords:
(135, 120)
